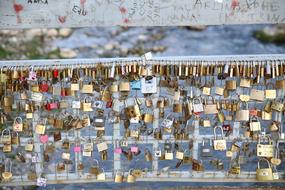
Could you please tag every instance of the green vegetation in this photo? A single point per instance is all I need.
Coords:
(276, 39)
(33, 49)
(4, 54)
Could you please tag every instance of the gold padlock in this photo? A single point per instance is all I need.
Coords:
(280, 84)
(177, 107)
(245, 83)
(148, 118)
(40, 129)
(124, 86)
(270, 93)
(114, 88)
(131, 178)
(264, 174)
(231, 85)
(119, 177)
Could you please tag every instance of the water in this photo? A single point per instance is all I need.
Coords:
(179, 41)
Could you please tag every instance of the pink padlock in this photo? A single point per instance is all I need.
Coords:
(77, 149)
(44, 139)
(118, 149)
(53, 105)
(32, 75)
(134, 149)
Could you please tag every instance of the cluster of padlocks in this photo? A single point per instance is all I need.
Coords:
(239, 103)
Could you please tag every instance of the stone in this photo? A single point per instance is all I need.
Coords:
(52, 33)
(65, 32)
(67, 53)
(143, 38)
(109, 47)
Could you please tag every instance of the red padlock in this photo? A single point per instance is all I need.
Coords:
(109, 104)
(44, 87)
(253, 112)
(54, 105)
(63, 92)
(55, 73)
(227, 127)
(48, 106)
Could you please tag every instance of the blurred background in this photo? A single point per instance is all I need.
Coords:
(135, 41)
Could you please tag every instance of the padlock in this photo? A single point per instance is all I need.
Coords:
(40, 129)
(119, 177)
(205, 122)
(157, 134)
(264, 174)
(219, 91)
(197, 106)
(210, 107)
(221, 116)
(29, 147)
(148, 155)
(219, 144)
(15, 139)
(87, 88)
(124, 86)
(231, 85)
(7, 174)
(206, 151)
(6, 136)
(179, 154)
(276, 161)
(254, 124)
(148, 85)
(197, 165)
(177, 107)
(148, 102)
(118, 149)
(148, 118)
(257, 95)
(280, 84)
(265, 150)
(271, 92)
(86, 105)
(277, 106)
(7, 148)
(94, 168)
(18, 124)
(167, 145)
(243, 113)
(114, 88)
(104, 155)
(235, 167)
(274, 126)
(131, 178)
(43, 86)
(65, 144)
(245, 83)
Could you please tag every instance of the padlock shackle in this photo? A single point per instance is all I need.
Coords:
(215, 134)
(18, 120)
(263, 159)
(8, 161)
(265, 137)
(6, 129)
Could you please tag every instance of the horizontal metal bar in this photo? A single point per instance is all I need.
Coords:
(262, 58)
(171, 176)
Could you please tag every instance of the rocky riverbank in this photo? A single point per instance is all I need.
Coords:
(135, 41)
(272, 34)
